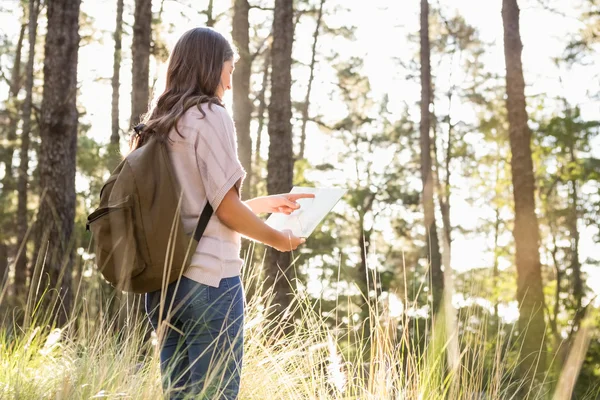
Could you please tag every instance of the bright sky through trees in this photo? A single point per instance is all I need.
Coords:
(382, 28)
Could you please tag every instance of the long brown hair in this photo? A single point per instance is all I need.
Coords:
(193, 77)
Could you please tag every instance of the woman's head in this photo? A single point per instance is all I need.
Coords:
(198, 60)
(199, 71)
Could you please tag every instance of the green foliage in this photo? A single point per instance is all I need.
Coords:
(378, 161)
(585, 42)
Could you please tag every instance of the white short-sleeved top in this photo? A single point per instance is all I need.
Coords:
(206, 164)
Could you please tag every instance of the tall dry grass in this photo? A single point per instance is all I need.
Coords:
(317, 357)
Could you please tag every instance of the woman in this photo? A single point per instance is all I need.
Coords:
(201, 330)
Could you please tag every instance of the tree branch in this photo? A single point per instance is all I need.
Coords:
(260, 48)
(321, 123)
(3, 76)
(553, 10)
(263, 8)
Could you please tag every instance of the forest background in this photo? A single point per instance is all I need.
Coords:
(463, 260)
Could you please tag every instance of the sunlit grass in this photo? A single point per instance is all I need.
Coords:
(316, 357)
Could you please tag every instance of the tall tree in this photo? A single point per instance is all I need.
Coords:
(58, 148)
(7, 152)
(3, 265)
(142, 35)
(11, 136)
(280, 166)
(564, 142)
(529, 276)
(262, 106)
(23, 174)
(433, 246)
(116, 81)
(242, 106)
(306, 104)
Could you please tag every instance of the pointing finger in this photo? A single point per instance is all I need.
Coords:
(291, 204)
(296, 196)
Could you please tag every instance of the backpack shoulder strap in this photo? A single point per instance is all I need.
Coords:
(203, 221)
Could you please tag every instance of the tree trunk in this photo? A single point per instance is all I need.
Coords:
(114, 151)
(3, 266)
(574, 236)
(210, 19)
(58, 150)
(497, 222)
(443, 190)
(495, 271)
(433, 247)
(23, 175)
(306, 104)
(365, 279)
(7, 153)
(280, 167)
(142, 34)
(242, 106)
(529, 277)
(445, 204)
(262, 106)
(13, 120)
(553, 318)
(572, 219)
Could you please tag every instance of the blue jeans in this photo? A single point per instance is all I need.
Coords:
(200, 330)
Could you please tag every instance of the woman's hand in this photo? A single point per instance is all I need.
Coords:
(284, 203)
(239, 217)
(288, 242)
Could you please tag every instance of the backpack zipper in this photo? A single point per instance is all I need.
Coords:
(101, 212)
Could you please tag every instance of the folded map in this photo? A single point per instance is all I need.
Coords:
(303, 221)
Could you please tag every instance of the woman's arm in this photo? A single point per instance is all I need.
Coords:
(279, 203)
(257, 205)
(240, 217)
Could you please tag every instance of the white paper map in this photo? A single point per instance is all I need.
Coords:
(303, 221)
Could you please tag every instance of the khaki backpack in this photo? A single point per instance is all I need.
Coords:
(139, 240)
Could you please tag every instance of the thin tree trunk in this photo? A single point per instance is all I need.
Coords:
(495, 271)
(242, 106)
(116, 82)
(433, 247)
(578, 288)
(58, 150)
(311, 77)
(553, 319)
(574, 234)
(142, 34)
(443, 190)
(450, 314)
(11, 136)
(529, 276)
(3, 266)
(7, 153)
(114, 137)
(262, 106)
(114, 150)
(280, 167)
(210, 19)
(23, 174)
(365, 279)
(445, 206)
(363, 244)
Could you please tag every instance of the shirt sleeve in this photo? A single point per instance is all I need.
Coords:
(216, 155)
